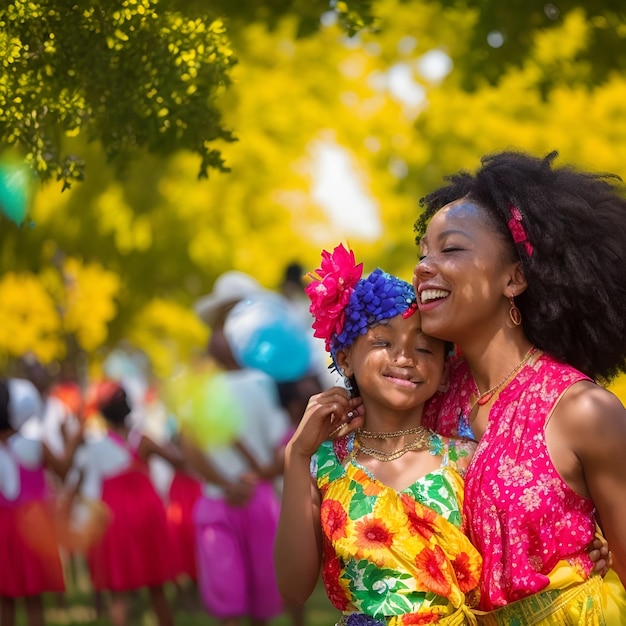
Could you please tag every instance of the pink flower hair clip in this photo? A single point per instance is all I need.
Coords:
(517, 230)
(330, 291)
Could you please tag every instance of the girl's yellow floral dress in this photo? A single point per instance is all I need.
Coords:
(395, 558)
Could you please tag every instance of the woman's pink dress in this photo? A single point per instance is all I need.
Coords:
(522, 516)
(29, 554)
(134, 550)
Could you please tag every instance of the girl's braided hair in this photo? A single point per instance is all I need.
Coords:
(574, 258)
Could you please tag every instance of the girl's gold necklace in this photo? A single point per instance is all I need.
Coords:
(422, 441)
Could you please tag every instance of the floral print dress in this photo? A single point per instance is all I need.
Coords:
(394, 557)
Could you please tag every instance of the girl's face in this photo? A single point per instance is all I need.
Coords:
(395, 364)
(465, 274)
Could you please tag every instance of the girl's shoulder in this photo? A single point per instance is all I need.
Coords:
(328, 461)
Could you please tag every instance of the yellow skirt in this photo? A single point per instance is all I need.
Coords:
(463, 616)
(566, 601)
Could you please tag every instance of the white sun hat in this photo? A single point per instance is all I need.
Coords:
(24, 402)
(229, 288)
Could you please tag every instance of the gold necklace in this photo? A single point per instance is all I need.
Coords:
(367, 434)
(486, 396)
(421, 442)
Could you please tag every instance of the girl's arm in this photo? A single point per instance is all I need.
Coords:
(298, 544)
(297, 547)
(605, 473)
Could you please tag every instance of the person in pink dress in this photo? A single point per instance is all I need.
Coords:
(30, 563)
(134, 550)
(522, 267)
(237, 514)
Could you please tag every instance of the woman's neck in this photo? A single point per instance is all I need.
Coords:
(490, 362)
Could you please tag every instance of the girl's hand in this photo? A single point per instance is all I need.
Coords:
(600, 555)
(349, 421)
(323, 418)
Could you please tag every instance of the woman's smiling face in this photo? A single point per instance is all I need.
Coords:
(463, 271)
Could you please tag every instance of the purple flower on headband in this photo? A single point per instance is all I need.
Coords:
(360, 619)
(517, 230)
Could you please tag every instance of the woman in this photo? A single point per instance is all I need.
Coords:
(522, 267)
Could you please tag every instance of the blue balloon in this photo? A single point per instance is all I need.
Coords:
(265, 333)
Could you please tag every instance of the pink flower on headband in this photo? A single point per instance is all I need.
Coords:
(518, 232)
(330, 291)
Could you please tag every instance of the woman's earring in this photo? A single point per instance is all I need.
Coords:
(514, 313)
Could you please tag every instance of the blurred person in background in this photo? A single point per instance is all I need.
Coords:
(30, 563)
(237, 514)
(134, 550)
(292, 288)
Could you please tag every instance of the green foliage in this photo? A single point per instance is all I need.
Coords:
(504, 34)
(166, 235)
(118, 71)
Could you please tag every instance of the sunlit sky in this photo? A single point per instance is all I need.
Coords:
(337, 187)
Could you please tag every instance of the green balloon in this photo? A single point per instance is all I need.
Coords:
(15, 191)
(205, 406)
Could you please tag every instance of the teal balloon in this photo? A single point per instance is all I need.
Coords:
(15, 191)
(265, 333)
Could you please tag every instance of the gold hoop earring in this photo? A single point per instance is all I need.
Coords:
(514, 313)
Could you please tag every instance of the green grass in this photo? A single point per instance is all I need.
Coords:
(77, 607)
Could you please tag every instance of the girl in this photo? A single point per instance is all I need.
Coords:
(29, 555)
(378, 510)
(133, 552)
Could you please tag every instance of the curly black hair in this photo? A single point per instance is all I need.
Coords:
(574, 305)
(115, 408)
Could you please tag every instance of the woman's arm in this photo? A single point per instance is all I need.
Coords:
(592, 423)
(148, 447)
(236, 493)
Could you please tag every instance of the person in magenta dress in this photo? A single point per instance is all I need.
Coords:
(134, 550)
(522, 267)
(30, 563)
(237, 514)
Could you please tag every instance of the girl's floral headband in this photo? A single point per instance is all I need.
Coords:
(344, 305)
